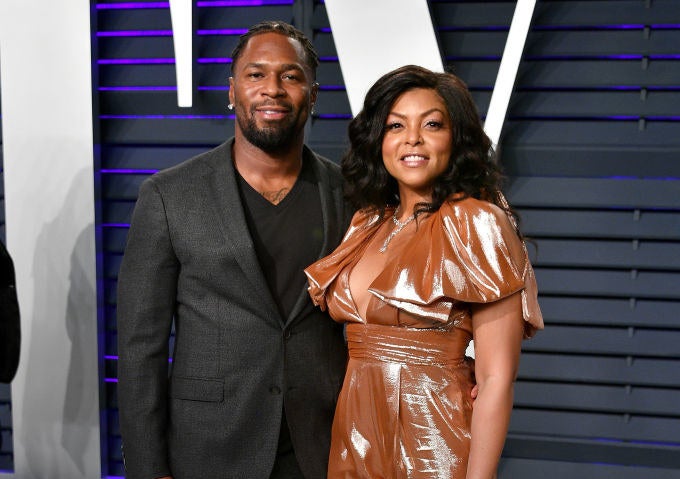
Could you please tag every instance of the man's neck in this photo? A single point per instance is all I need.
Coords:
(271, 174)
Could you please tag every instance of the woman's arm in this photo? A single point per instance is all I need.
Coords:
(497, 331)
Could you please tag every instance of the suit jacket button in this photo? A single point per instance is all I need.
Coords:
(275, 390)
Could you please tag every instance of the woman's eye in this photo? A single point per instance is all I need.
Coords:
(392, 126)
(434, 124)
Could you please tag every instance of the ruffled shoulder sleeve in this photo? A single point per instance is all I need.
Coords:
(321, 274)
(468, 251)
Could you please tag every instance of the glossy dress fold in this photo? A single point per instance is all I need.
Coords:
(405, 408)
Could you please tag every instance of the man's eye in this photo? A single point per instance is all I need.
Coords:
(290, 76)
(255, 75)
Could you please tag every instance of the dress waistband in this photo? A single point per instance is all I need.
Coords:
(406, 345)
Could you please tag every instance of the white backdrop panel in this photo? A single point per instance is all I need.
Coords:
(49, 197)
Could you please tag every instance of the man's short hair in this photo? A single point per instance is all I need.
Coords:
(283, 28)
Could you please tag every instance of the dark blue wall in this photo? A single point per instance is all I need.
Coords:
(592, 153)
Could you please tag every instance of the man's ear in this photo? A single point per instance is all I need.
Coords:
(314, 93)
(231, 90)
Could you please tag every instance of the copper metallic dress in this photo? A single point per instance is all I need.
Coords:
(405, 408)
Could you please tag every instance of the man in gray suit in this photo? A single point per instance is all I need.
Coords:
(219, 243)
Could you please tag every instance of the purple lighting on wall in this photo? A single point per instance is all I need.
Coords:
(127, 171)
(626, 57)
(242, 3)
(624, 26)
(622, 88)
(581, 118)
(487, 28)
(335, 116)
(592, 88)
(137, 88)
(658, 118)
(223, 31)
(213, 60)
(619, 117)
(137, 61)
(136, 33)
(130, 5)
(115, 225)
(165, 117)
(663, 118)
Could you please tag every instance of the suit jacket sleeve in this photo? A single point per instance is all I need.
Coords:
(147, 285)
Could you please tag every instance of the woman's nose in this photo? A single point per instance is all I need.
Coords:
(413, 136)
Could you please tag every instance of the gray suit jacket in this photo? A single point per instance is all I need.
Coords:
(236, 361)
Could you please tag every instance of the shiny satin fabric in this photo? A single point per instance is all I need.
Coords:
(420, 382)
(405, 408)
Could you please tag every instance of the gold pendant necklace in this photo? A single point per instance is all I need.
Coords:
(399, 226)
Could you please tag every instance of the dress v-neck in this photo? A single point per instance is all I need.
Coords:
(387, 257)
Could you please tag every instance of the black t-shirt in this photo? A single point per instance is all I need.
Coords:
(288, 236)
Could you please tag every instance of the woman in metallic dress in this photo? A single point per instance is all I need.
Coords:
(433, 258)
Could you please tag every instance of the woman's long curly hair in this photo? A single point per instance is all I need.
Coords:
(472, 170)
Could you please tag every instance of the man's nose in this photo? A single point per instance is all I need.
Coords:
(273, 86)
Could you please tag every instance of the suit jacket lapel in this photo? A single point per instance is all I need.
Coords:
(331, 221)
(228, 210)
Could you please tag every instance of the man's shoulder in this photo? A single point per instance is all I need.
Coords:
(325, 166)
(194, 167)
(332, 166)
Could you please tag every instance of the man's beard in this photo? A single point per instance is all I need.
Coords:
(272, 138)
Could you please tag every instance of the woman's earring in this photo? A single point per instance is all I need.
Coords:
(230, 106)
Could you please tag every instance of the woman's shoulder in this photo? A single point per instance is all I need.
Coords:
(469, 206)
(470, 225)
(476, 215)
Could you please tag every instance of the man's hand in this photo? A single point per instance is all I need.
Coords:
(471, 364)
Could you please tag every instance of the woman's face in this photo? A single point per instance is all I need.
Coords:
(417, 142)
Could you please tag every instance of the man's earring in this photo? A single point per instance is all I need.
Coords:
(230, 106)
(313, 112)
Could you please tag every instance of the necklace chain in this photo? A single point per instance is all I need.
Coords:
(399, 226)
